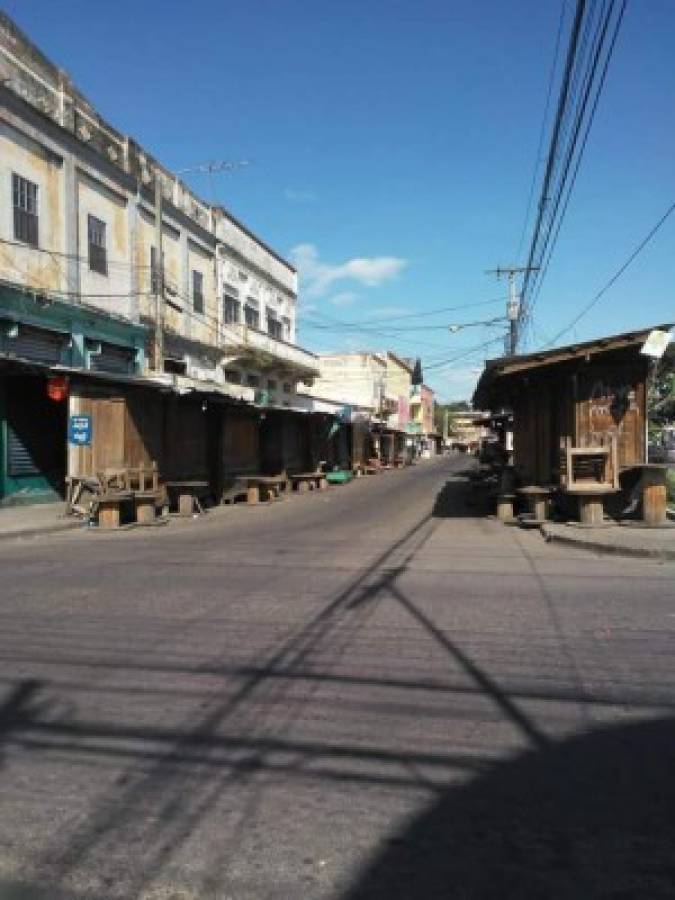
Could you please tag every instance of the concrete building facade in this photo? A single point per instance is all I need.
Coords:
(83, 285)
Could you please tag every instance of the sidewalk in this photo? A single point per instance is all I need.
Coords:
(622, 540)
(31, 521)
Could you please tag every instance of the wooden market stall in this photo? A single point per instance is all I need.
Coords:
(579, 420)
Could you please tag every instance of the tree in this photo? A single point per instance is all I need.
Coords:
(661, 398)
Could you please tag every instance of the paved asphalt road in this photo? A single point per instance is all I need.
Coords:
(377, 692)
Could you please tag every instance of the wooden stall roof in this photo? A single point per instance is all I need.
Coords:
(491, 385)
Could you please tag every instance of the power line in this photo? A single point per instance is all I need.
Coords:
(542, 276)
(643, 243)
(562, 102)
(445, 327)
(468, 352)
(542, 131)
(428, 312)
(74, 256)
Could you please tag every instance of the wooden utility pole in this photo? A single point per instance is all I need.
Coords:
(158, 278)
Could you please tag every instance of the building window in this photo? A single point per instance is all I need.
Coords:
(231, 310)
(197, 291)
(98, 261)
(287, 387)
(286, 329)
(24, 198)
(271, 384)
(175, 366)
(252, 316)
(232, 376)
(253, 380)
(274, 328)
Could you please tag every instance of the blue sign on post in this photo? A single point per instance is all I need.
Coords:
(79, 431)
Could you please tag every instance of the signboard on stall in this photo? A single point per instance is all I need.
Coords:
(79, 431)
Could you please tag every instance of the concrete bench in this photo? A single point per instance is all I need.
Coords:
(536, 497)
(505, 507)
(591, 501)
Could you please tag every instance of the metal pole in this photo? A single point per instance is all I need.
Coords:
(158, 279)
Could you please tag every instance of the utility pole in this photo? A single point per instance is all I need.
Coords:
(513, 311)
(158, 278)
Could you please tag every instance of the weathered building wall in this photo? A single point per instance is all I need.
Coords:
(34, 161)
(108, 203)
(82, 166)
(358, 379)
(399, 384)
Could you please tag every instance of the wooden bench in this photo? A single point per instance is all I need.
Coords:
(307, 481)
(108, 507)
(266, 487)
(189, 495)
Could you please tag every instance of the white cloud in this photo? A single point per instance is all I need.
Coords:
(318, 277)
(295, 196)
(344, 298)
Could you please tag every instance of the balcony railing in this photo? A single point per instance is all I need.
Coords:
(245, 340)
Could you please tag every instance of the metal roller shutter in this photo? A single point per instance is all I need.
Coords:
(19, 459)
(39, 344)
(113, 359)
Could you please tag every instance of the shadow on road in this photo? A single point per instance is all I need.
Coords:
(461, 498)
(590, 817)
(586, 818)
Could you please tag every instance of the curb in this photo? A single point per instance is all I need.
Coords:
(37, 532)
(607, 549)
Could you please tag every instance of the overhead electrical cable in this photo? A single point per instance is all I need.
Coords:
(544, 270)
(551, 157)
(592, 44)
(542, 131)
(615, 277)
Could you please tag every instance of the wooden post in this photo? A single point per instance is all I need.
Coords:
(505, 507)
(145, 509)
(109, 513)
(591, 509)
(185, 504)
(654, 502)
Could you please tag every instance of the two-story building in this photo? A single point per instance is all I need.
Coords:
(421, 423)
(160, 319)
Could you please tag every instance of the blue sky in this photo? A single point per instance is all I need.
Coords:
(392, 147)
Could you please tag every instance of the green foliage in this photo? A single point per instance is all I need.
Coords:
(661, 397)
(671, 485)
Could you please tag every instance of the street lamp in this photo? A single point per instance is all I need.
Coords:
(453, 329)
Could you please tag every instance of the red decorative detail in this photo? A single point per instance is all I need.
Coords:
(57, 388)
